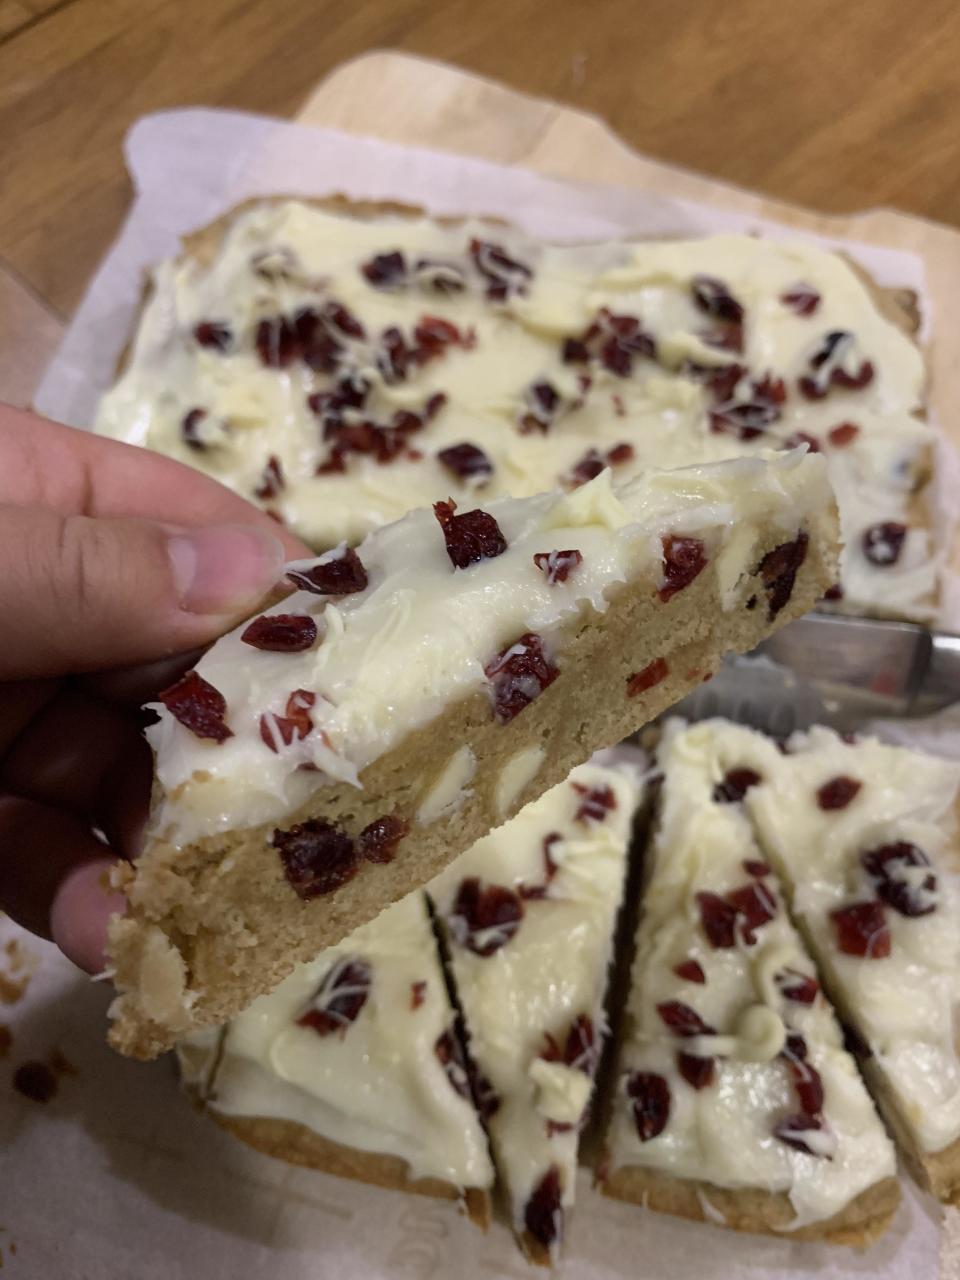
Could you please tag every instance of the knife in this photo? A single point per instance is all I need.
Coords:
(830, 669)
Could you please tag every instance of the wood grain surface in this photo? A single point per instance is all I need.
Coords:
(839, 107)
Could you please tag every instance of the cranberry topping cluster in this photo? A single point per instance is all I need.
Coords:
(518, 675)
(795, 1130)
(835, 363)
(484, 918)
(738, 913)
(613, 341)
(318, 857)
(595, 804)
(714, 299)
(649, 1096)
(339, 998)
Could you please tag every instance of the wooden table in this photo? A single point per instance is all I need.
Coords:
(838, 107)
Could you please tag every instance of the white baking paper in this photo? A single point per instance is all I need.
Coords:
(116, 1177)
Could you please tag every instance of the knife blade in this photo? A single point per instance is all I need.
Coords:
(834, 670)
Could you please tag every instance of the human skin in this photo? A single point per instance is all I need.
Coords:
(116, 567)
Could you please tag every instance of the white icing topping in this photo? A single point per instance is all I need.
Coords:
(661, 411)
(392, 657)
(904, 1005)
(378, 1085)
(550, 971)
(723, 1133)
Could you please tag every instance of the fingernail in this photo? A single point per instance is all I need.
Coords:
(81, 911)
(225, 568)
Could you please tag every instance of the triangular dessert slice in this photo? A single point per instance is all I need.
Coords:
(735, 1099)
(528, 915)
(334, 753)
(353, 1065)
(866, 835)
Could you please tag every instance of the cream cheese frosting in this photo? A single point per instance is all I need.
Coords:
(275, 357)
(355, 1046)
(531, 985)
(891, 846)
(414, 634)
(734, 1071)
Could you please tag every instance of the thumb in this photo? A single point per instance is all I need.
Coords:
(82, 594)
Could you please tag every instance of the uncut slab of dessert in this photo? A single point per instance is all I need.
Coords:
(396, 921)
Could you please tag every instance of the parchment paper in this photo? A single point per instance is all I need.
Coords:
(116, 1177)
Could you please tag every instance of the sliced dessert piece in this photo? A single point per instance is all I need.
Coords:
(341, 363)
(528, 916)
(866, 835)
(353, 1065)
(329, 756)
(735, 1099)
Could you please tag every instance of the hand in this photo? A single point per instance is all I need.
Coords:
(116, 566)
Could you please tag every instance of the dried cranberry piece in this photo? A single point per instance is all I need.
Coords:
(484, 918)
(699, 1073)
(778, 570)
(588, 468)
(433, 334)
(439, 275)
(799, 987)
(843, 434)
(854, 1042)
(803, 299)
(467, 462)
(434, 404)
(574, 351)
(537, 891)
(806, 1079)
(339, 999)
(385, 270)
(189, 429)
(317, 857)
(580, 1048)
(378, 841)
(394, 358)
(754, 867)
(829, 367)
(756, 904)
(339, 574)
(838, 792)
(714, 298)
(683, 559)
(557, 565)
(279, 731)
(647, 677)
(543, 406)
(518, 675)
(418, 993)
(682, 1020)
(597, 802)
(450, 1056)
(543, 1215)
(735, 785)
(337, 316)
(833, 593)
(798, 438)
(882, 543)
(888, 866)
(861, 930)
(470, 537)
(213, 333)
(281, 632)
(276, 342)
(272, 480)
(198, 706)
(504, 275)
(690, 971)
(792, 1130)
(620, 453)
(718, 918)
(650, 1098)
